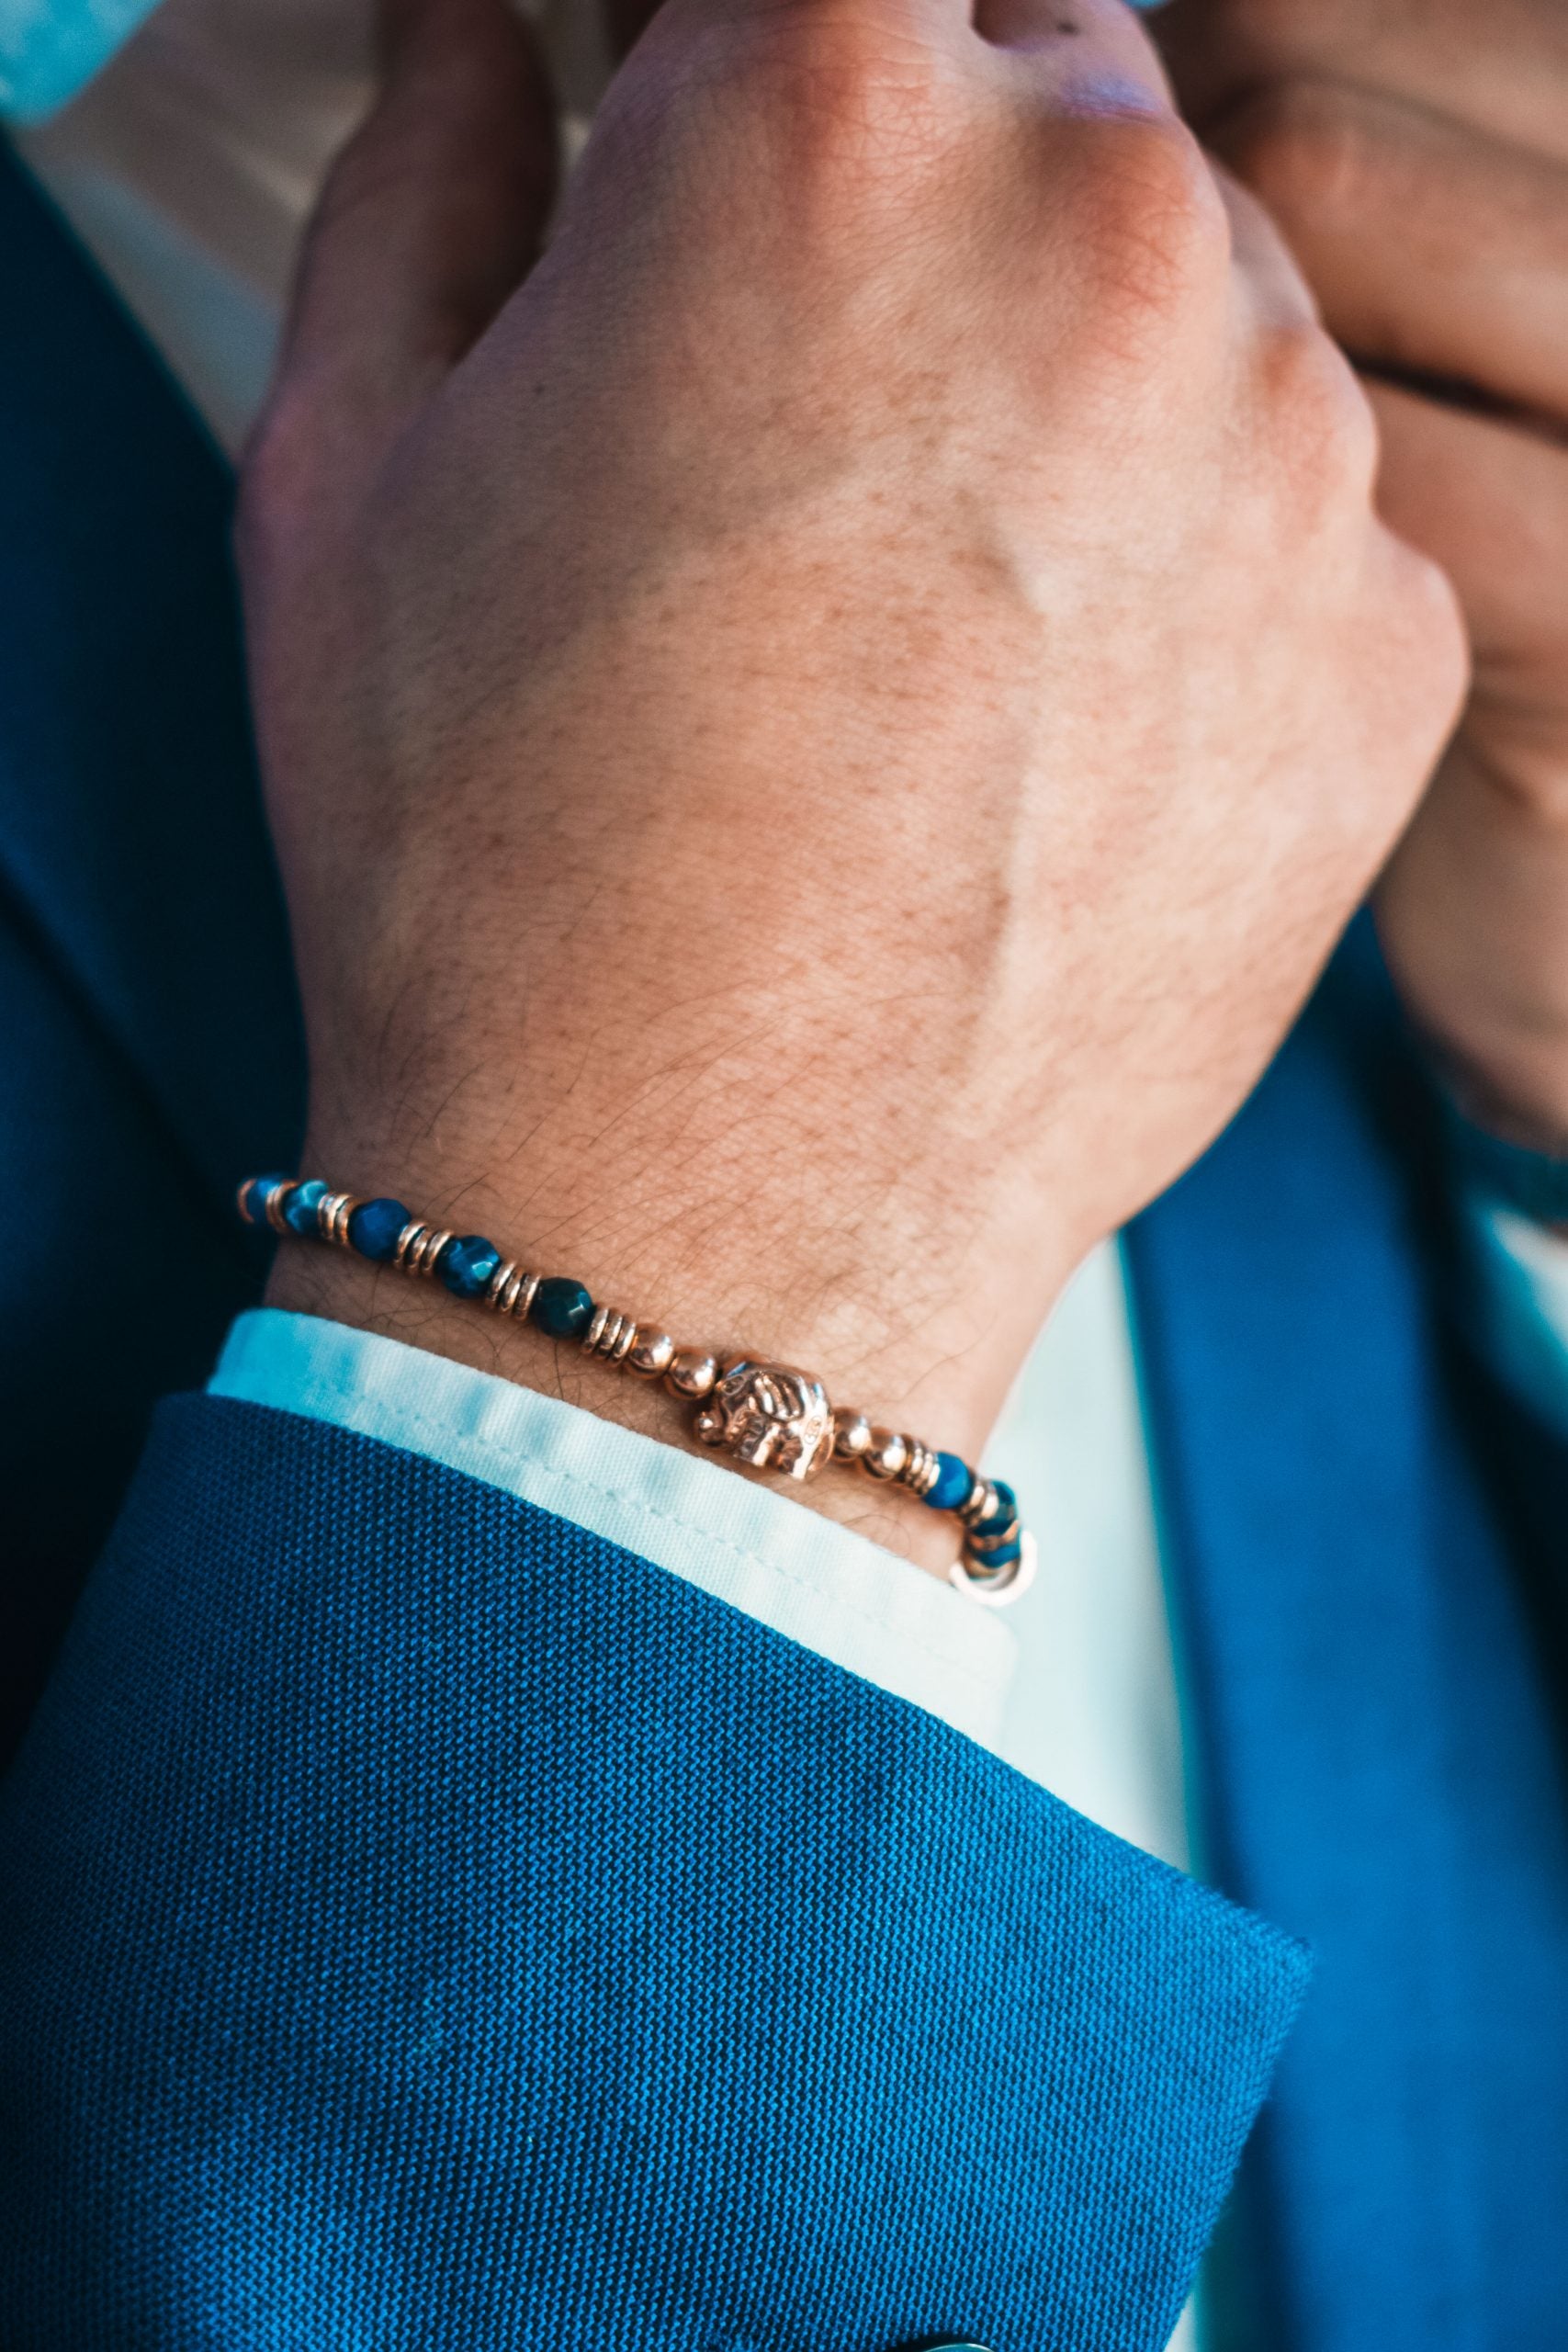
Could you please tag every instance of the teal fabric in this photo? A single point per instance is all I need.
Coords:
(150, 1040)
(427, 1924)
(1370, 1551)
(746, 1541)
(50, 49)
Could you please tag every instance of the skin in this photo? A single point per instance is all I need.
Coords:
(1416, 159)
(815, 747)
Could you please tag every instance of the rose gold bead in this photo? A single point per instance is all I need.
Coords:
(653, 1353)
(981, 1499)
(419, 1246)
(609, 1335)
(920, 1471)
(997, 1589)
(886, 1454)
(851, 1434)
(693, 1373)
(515, 1294)
(410, 1241)
(433, 1249)
(498, 1281)
(332, 1213)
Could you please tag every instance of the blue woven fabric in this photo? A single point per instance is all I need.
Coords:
(1372, 1555)
(430, 1925)
(150, 1047)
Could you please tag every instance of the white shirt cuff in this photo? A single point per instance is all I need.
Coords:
(771, 1557)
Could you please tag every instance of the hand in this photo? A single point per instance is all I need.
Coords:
(1417, 161)
(815, 748)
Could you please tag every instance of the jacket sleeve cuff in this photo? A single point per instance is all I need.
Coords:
(429, 1922)
(748, 1543)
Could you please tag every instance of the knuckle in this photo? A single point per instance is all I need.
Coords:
(1151, 221)
(845, 108)
(1409, 665)
(1307, 149)
(1429, 607)
(364, 176)
(281, 479)
(1321, 421)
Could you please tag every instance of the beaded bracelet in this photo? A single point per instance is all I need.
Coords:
(766, 1415)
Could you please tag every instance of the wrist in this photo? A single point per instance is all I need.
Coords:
(941, 1377)
(372, 1299)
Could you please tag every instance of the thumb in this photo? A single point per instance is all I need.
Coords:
(430, 218)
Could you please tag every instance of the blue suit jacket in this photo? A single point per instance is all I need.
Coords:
(426, 1925)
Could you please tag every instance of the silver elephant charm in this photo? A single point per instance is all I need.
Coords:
(770, 1417)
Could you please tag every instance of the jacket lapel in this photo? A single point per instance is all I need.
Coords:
(1371, 1703)
(131, 844)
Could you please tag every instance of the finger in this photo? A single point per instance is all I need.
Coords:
(1269, 275)
(1488, 503)
(1432, 249)
(625, 21)
(1097, 51)
(1501, 68)
(1125, 67)
(431, 215)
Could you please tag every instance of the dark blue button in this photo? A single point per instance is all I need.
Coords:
(946, 2344)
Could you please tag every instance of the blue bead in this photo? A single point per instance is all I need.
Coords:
(561, 1308)
(992, 1534)
(954, 1481)
(373, 1227)
(998, 1555)
(1004, 1508)
(299, 1214)
(256, 1193)
(466, 1266)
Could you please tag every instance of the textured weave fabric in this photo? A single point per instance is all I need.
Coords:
(746, 1541)
(1376, 1642)
(429, 1926)
(149, 1041)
